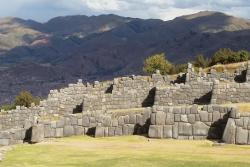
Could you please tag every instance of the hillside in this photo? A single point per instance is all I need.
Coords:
(101, 47)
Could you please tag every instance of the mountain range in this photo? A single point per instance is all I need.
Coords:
(41, 56)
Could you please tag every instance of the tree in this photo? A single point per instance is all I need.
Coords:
(157, 62)
(223, 56)
(25, 99)
(201, 61)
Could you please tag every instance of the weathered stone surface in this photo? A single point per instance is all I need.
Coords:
(118, 131)
(107, 121)
(115, 122)
(79, 130)
(59, 132)
(184, 118)
(200, 129)
(167, 131)
(4, 142)
(125, 130)
(185, 129)
(191, 118)
(241, 136)
(160, 118)
(68, 131)
(177, 117)
(139, 119)
(155, 131)
(37, 133)
(111, 131)
(169, 119)
(216, 116)
(175, 130)
(99, 131)
(132, 118)
(85, 121)
(204, 116)
(60, 123)
(120, 121)
(229, 132)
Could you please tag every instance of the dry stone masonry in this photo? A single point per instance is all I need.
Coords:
(186, 108)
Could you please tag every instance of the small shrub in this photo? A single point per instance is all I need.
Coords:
(157, 62)
(25, 99)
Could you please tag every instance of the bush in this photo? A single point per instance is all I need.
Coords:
(222, 56)
(178, 68)
(7, 107)
(25, 99)
(201, 61)
(226, 55)
(157, 62)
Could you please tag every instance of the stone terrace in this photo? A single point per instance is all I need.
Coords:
(153, 105)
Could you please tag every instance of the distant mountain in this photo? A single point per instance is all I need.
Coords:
(101, 47)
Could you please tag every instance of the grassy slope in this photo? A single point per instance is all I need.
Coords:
(131, 151)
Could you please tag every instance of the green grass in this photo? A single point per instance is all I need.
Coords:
(129, 151)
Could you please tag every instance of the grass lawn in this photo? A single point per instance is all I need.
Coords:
(129, 151)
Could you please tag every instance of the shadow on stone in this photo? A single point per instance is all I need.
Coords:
(241, 78)
(203, 100)
(217, 128)
(149, 101)
(28, 135)
(180, 79)
(91, 131)
(142, 129)
(77, 109)
(109, 90)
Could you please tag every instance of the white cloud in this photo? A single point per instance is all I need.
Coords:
(106, 5)
(162, 9)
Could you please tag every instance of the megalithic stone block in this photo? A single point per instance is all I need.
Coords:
(155, 131)
(37, 133)
(99, 131)
(229, 132)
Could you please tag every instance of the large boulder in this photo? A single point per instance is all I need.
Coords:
(155, 131)
(99, 131)
(160, 118)
(37, 134)
(185, 129)
(68, 131)
(200, 129)
(229, 132)
(241, 135)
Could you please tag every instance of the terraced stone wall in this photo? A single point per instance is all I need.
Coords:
(237, 130)
(230, 93)
(126, 92)
(180, 94)
(188, 122)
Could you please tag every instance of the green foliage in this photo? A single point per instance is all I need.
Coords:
(25, 99)
(178, 68)
(7, 107)
(157, 62)
(226, 55)
(201, 61)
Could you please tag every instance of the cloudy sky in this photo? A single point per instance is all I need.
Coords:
(42, 10)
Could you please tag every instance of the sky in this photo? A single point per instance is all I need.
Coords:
(43, 10)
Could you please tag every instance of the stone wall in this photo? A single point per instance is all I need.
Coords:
(188, 122)
(126, 92)
(230, 93)
(21, 117)
(238, 76)
(237, 130)
(96, 124)
(180, 94)
(69, 100)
